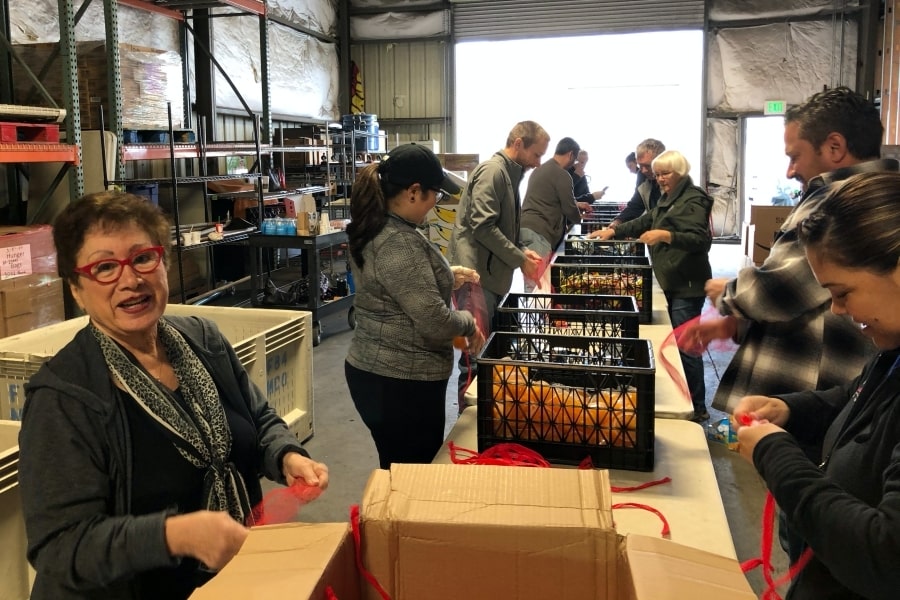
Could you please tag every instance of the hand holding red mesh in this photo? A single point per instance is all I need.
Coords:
(709, 330)
(282, 504)
(470, 296)
(539, 280)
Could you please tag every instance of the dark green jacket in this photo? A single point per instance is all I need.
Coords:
(681, 267)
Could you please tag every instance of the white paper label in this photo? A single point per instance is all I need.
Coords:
(15, 261)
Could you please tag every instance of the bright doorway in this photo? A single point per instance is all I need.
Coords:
(608, 92)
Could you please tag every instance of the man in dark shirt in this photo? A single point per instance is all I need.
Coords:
(580, 181)
(646, 194)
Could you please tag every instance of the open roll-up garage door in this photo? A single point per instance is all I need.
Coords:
(518, 19)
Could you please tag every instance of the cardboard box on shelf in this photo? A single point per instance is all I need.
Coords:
(30, 302)
(150, 79)
(767, 222)
(515, 533)
(26, 251)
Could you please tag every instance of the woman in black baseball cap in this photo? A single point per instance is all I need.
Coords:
(401, 356)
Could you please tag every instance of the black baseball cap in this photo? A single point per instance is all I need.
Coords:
(412, 163)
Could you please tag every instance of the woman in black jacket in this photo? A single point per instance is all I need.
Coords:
(677, 231)
(846, 506)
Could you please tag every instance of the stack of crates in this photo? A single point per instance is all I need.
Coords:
(274, 346)
(569, 314)
(604, 211)
(606, 275)
(569, 398)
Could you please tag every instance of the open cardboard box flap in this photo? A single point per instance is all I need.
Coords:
(294, 560)
(466, 532)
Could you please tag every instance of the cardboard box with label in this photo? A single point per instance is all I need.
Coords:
(766, 222)
(30, 302)
(26, 250)
(451, 532)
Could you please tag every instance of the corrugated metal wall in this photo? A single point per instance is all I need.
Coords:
(522, 19)
(406, 81)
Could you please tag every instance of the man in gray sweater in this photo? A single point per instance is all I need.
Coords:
(550, 203)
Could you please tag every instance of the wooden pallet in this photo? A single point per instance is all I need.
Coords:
(12, 133)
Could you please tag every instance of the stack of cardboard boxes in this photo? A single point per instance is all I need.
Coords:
(759, 232)
(31, 292)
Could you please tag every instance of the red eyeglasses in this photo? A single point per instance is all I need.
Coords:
(109, 270)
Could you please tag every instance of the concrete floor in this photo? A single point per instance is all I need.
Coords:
(342, 441)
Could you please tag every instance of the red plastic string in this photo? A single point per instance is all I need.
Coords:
(357, 541)
(641, 486)
(329, 593)
(281, 504)
(765, 558)
(671, 369)
(689, 344)
(665, 530)
(506, 455)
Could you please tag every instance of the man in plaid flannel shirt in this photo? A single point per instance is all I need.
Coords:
(790, 341)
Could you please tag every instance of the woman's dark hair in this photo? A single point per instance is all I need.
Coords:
(105, 212)
(856, 225)
(368, 209)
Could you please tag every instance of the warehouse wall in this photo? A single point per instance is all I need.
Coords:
(766, 50)
(303, 71)
(405, 85)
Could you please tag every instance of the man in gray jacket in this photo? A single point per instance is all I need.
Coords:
(486, 236)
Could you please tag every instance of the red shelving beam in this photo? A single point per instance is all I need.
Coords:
(174, 8)
(33, 153)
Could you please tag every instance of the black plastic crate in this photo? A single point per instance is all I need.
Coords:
(592, 225)
(579, 246)
(614, 275)
(569, 314)
(569, 398)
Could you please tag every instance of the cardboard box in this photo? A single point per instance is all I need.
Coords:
(452, 532)
(30, 302)
(767, 222)
(295, 560)
(26, 250)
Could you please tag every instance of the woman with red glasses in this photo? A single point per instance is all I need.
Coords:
(143, 439)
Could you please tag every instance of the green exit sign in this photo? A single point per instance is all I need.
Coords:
(774, 107)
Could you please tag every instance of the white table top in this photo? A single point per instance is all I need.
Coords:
(691, 502)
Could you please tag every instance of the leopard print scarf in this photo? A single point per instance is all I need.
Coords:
(200, 434)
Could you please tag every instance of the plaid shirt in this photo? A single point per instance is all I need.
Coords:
(790, 341)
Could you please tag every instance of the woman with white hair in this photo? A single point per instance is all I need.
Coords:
(677, 231)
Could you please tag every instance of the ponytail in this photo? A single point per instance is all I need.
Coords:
(368, 209)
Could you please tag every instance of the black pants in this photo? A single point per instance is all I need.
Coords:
(405, 417)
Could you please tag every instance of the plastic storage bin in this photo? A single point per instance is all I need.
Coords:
(569, 314)
(275, 346)
(569, 398)
(614, 275)
(17, 575)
